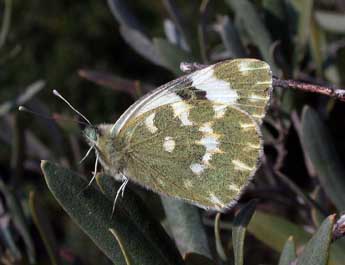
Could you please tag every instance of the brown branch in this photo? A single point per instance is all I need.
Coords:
(324, 90)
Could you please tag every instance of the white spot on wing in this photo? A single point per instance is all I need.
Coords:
(250, 147)
(169, 144)
(217, 90)
(209, 141)
(219, 110)
(247, 126)
(181, 110)
(214, 199)
(188, 183)
(245, 66)
(254, 146)
(149, 122)
(197, 168)
(258, 116)
(206, 128)
(239, 165)
(255, 98)
(234, 187)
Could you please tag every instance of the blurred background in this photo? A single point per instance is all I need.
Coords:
(102, 55)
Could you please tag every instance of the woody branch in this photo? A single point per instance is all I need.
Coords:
(324, 90)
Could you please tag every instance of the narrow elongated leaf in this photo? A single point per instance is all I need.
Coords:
(319, 146)
(186, 226)
(231, 40)
(331, 21)
(44, 228)
(250, 19)
(316, 252)
(6, 21)
(274, 231)
(241, 222)
(179, 23)
(141, 44)
(27, 95)
(124, 251)
(91, 210)
(123, 15)
(303, 8)
(171, 55)
(275, 7)
(19, 220)
(288, 254)
(137, 211)
(219, 246)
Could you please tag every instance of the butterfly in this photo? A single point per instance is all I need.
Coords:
(196, 138)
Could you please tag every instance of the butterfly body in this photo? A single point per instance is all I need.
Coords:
(196, 138)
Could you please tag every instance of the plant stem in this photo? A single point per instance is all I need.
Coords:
(324, 90)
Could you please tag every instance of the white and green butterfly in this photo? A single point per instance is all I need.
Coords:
(196, 138)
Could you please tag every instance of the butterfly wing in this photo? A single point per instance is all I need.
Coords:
(244, 82)
(199, 138)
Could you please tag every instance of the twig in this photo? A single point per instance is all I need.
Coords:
(324, 90)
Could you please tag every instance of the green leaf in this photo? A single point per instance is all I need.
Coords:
(275, 7)
(124, 251)
(318, 144)
(186, 226)
(304, 9)
(171, 55)
(197, 259)
(19, 220)
(219, 246)
(274, 231)
(39, 217)
(331, 21)
(137, 211)
(6, 21)
(23, 98)
(91, 210)
(240, 224)
(231, 40)
(141, 44)
(123, 15)
(288, 254)
(316, 252)
(318, 46)
(250, 19)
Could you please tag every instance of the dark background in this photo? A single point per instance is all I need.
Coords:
(54, 41)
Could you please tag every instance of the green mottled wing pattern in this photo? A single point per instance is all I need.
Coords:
(202, 142)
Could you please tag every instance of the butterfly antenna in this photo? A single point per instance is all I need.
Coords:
(56, 93)
(95, 170)
(25, 109)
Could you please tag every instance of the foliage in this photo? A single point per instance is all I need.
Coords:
(298, 189)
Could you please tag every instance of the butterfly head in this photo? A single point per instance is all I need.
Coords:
(92, 134)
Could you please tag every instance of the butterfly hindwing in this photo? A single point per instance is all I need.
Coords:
(206, 161)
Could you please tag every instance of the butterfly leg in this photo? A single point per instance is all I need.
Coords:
(95, 171)
(121, 191)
